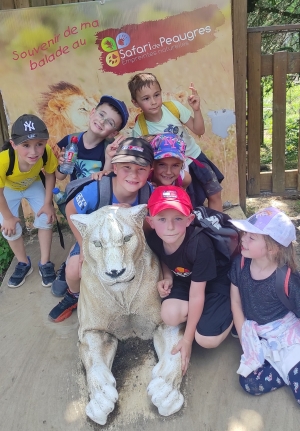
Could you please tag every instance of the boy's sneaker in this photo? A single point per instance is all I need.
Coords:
(233, 332)
(47, 273)
(59, 285)
(64, 309)
(20, 273)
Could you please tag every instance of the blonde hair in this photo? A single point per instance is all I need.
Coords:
(283, 255)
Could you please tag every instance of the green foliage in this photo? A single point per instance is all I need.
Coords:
(6, 255)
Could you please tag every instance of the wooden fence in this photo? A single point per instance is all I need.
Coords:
(278, 65)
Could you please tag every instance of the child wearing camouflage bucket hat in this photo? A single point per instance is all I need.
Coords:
(169, 167)
(269, 331)
(21, 161)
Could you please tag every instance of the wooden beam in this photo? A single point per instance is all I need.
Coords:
(254, 112)
(293, 63)
(22, 3)
(274, 28)
(239, 21)
(291, 180)
(279, 121)
(7, 4)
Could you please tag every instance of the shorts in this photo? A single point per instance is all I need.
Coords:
(35, 195)
(205, 180)
(216, 315)
(75, 250)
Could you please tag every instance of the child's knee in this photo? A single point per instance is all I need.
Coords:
(16, 236)
(172, 316)
(72, 268)
(208, 342)
(41, 222)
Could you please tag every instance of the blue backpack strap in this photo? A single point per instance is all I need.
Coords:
(105, 191)
(144, 194)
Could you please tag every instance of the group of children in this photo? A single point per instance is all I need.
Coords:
(163, 167)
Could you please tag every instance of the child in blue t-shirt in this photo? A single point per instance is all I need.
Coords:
(132, 164)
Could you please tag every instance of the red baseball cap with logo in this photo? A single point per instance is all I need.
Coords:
(165, 197)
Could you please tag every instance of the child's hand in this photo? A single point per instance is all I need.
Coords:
(49, 210)
(112, 148)
(194, 99)
(61, 157)
(185, 348)
(164, 287)
(98, 175)
(8, 226)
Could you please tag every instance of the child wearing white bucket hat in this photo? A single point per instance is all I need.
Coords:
(269, 331)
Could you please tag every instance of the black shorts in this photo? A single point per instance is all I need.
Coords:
(216, 316)
(205, 180)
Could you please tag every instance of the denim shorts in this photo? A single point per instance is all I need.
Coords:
(35, 196)
(75, 250)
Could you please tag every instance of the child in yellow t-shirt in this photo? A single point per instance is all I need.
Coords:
(21, 162)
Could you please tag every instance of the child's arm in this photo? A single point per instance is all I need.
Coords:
(196, 303)
(164, 286)
(61, 159)
(237, 310)
(110, 152)
(48, 207)
(196, 124)
(9, 222)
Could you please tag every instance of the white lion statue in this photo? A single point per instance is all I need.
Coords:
(118, 300)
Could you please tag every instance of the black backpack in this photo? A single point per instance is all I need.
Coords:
(105, 191)
(224, 236)
(281, 283)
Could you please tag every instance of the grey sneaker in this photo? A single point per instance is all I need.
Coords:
(59, 285)
(20, 273)
(47, 273)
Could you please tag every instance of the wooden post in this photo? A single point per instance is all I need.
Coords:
(279, 121)
(254, 112)
(7, 4)
(239, 18)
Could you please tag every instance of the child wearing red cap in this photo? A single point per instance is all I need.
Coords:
(195, 289)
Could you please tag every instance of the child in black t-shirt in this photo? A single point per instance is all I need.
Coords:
(194, 288)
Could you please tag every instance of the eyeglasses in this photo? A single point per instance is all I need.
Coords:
(106, 121)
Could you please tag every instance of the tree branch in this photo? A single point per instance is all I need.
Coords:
(277, 11)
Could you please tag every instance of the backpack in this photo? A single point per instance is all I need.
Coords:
(142, 121)
(281, 283)
(224, 236)
(105, 191)
(12, 158)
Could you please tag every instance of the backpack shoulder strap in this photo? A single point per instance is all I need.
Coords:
(142, 124)
(282, 282)
(142, 121)
(172, 108)
(12, 158)
(144, 194)
(45, 157)
(105, 191)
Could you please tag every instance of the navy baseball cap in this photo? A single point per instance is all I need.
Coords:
(28, 127)
(119, 105)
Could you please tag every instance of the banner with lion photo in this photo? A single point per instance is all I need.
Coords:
(57, 61)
